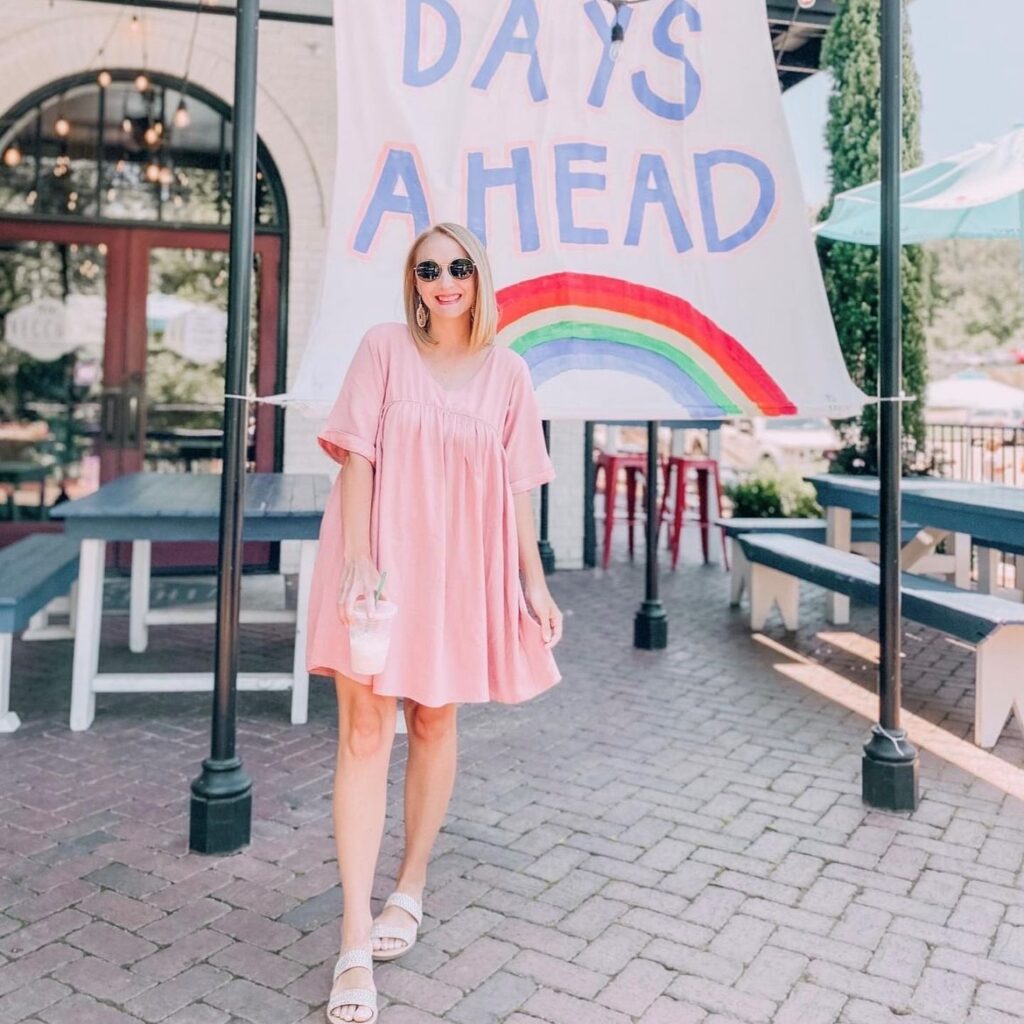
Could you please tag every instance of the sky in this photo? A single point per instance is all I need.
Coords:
(970, 57)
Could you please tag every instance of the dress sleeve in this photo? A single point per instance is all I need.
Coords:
(529, 465)
(352, 423)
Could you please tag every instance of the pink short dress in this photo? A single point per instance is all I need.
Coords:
(442, 524)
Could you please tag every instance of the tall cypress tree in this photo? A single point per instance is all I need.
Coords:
(852, 53)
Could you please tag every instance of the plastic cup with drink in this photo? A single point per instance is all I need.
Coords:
(370, 635)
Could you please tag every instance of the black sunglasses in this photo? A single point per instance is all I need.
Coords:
(460, 269)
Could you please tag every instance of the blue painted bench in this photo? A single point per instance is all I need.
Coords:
(993, 624)
(33, 571)
(863, 539)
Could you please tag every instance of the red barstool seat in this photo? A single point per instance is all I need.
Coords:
(611, 464)
(707, 477)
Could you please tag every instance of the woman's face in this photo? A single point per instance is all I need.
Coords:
(445, 296)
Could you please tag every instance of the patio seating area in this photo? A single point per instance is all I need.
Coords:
(663, 838)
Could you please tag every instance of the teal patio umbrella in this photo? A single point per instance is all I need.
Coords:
(978, 193)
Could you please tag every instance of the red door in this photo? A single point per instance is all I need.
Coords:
(126, 324)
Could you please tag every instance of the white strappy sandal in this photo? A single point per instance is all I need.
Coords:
(396, 931)
(352, 996)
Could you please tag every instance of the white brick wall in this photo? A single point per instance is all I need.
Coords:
(42, 42)
(565, 512)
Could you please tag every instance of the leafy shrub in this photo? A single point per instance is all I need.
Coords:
(769, 494)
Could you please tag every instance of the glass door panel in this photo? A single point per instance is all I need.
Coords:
(52, 335)
(183, 403)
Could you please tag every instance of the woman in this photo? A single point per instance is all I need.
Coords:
(440, 440)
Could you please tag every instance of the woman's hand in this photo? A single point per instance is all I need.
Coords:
(549, 614)
(359, 578)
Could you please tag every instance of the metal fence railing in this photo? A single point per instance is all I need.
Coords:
(979, 453)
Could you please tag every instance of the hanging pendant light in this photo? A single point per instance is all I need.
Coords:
(618, 33)
(12, 155)
(182, 118)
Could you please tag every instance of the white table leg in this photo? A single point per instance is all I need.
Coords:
(739, 573)
(988, 570)
(9, 721)
(88, 619)
(837, 535)
(300, 677)
(138, 607)
(962, 560)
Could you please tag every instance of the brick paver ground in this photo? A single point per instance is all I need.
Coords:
(663, 838)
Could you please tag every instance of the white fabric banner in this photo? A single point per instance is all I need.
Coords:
(643, 215)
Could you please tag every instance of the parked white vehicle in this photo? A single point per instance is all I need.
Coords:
(801, 443)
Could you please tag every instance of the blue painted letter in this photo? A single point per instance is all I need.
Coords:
(399, 166)
(506, 41)
(520, 176)
(566, 179)
(652, 166)
(704, 164)
(599, 89)
(412, 73)
(669, 109)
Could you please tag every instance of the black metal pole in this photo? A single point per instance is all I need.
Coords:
(650, 627)
(221, 810)
(589, 487)
(890, 763)
(547, 552)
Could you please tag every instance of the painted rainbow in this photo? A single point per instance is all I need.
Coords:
(569, 321)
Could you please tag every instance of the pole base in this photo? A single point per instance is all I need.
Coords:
(221, 808)
(890, 770)
(650, 627)
(547, 556)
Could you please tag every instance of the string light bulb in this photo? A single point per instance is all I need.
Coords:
(152, 171)
(104, 78)
(142, 81)
(62, 126)
(182, 118)
(126, 126)
(166, 176)
(12, 155)
(618, 33)
(151, 136)
(806, 4)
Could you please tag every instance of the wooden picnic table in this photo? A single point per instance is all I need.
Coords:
(183, 507)
(956, 511)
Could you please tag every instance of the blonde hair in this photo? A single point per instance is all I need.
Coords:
(485, 308)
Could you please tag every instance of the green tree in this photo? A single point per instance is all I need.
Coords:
(851, 52)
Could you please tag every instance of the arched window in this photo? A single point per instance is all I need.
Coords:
(131, 148)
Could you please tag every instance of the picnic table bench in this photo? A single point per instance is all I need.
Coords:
(33, 571)
(863, 539)
(993, 624)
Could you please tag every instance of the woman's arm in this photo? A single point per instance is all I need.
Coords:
(534, 584)
(359, 575)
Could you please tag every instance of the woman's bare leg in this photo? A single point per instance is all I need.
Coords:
(429, 780)
(366, 729)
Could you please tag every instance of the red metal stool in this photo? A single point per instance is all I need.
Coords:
(613, 463)
(677, 470)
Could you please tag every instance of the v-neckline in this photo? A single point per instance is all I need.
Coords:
(465, 384)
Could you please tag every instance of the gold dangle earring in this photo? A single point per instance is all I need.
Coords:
(422, 316)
